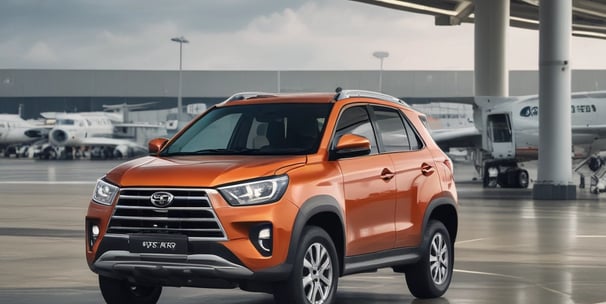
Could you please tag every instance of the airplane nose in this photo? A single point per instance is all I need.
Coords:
(59, 136)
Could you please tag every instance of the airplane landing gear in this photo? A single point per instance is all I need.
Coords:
(504, 173)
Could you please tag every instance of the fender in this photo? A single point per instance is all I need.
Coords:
(439, 202)
(313, 206)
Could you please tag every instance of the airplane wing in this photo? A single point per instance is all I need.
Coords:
(597, 130)
(121, 147)
(139, 125)
(426, 100)
(457, 137)
(123, 106)
(106, 142)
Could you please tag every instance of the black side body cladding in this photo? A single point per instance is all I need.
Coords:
(322, 204)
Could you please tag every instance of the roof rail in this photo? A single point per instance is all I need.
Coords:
(249, 95)
(363, 93)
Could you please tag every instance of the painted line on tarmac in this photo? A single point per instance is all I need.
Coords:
(590, 236)
(470, 241)
(41, 232)
(47, 182)
(513, 278)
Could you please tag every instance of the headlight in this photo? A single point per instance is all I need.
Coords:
(255, 192)
(104, 193)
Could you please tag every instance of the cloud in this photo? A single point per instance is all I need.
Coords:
(329, 35)
(41, 53)
(246, 35)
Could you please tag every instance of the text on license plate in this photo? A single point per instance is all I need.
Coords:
(144, 243)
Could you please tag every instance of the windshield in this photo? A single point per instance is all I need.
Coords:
(260, 129)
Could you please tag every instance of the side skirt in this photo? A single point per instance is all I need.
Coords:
(388, 258)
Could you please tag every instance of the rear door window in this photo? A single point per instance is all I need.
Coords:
(394, 131)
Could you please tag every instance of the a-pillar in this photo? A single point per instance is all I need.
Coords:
(490, 64)
(555, 133)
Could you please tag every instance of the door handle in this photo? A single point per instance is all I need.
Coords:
(386, 174)
(427, 170)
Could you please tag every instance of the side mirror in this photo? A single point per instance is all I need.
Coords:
(350, 145)
(155, 145)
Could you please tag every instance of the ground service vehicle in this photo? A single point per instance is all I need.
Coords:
(279, 193)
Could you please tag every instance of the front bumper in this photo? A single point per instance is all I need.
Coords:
(199, 270)
(208, 264)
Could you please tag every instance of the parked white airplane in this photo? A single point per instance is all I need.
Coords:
(15, 131)
(506, 133)
(102, 134)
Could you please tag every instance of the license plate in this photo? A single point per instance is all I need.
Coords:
(150, 243)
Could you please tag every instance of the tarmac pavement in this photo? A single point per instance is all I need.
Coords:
(510, 249)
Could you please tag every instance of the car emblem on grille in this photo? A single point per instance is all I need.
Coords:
(161, 199)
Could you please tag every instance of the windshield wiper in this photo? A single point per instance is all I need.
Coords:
(212, 151)
(242, 151)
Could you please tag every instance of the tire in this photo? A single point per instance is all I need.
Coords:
(52, 154)
(522, 179)
(315, 273)
(116, 291)
(437, 254)
(594, 163)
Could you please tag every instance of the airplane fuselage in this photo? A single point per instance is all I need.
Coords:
(74, 129)
(511, 125)
(13, 130)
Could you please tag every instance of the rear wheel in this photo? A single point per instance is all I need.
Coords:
(431, 276)
(315, 273)
(116, 291)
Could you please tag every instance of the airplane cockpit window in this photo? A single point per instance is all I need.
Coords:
(65, 122)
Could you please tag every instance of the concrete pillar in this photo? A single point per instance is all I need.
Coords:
(555, 134)
(490, 70)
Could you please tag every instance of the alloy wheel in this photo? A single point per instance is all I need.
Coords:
(317, 274)
(439, 259)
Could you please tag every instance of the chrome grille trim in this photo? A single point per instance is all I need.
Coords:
(190, 213)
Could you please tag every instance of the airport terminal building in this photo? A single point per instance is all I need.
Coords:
(37, 91)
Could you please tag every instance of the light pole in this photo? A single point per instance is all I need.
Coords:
(381, 55)
(180, 40)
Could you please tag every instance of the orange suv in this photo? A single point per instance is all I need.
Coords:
(279, 193)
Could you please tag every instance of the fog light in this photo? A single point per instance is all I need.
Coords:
(265, 239)
(93, 233)
(262, 238)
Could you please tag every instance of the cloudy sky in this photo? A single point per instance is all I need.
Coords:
(247, 35)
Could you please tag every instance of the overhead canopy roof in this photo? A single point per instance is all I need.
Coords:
(588, 16)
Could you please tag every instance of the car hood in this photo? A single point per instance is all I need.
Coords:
(198, 171)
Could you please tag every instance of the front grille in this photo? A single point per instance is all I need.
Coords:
(190, 213)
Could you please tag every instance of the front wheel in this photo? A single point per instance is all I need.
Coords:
(315, 272)
(431, 276)
(122, 292)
